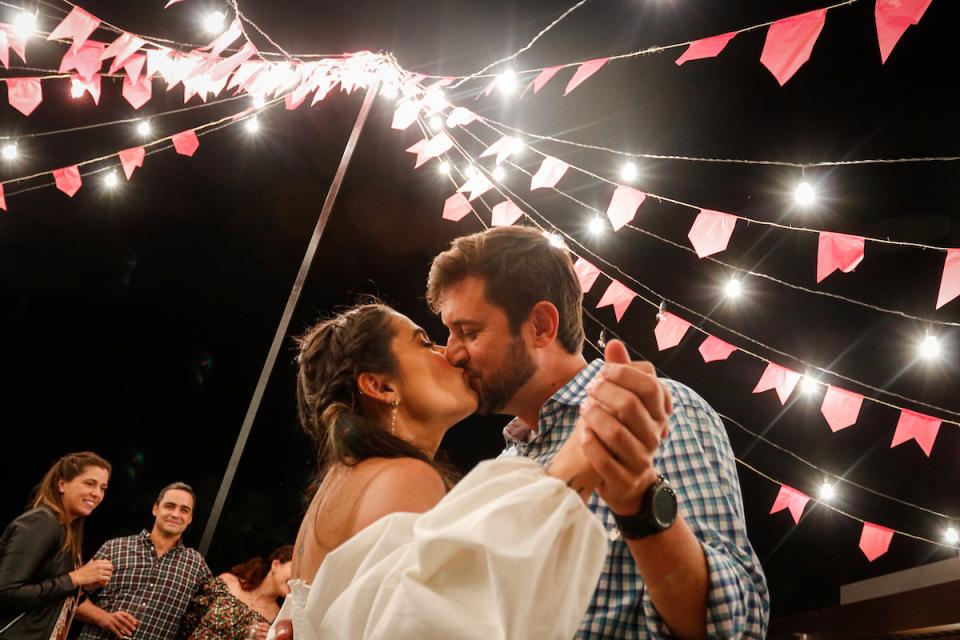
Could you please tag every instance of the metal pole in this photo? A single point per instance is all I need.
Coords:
(281, 333)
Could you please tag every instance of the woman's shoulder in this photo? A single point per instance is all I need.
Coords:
(37, 520)
(398, 484)
(389, 471)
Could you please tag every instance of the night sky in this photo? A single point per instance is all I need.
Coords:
(135, 322)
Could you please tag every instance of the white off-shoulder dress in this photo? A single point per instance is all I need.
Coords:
(509, 553)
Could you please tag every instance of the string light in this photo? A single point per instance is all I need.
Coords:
(213, 22)
(809, 385)
(76, 89)
(499, 174)
(24, 24)
(470, 171)
(827, 491)
(951, 536)
(143, 128)
(507, 81)
(597, 225)
(628, 173)
(733, 288)
(516, 146)
(259, 102)
(436, 123)
(388, 90)
(929, 347)
(253, 125)
(9, 151)
(444, 167)
(111, 180)
(557, 240)
(804, 195)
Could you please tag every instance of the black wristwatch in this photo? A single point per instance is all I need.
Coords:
(657, 513)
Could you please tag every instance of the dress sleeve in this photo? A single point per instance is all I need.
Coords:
(509, 553)
(29, 541)
(699, 463)
(197, 608)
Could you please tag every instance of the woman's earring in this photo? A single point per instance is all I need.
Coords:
(393, 417)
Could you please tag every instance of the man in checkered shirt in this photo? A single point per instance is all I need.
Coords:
(154, 578)
(512, 303)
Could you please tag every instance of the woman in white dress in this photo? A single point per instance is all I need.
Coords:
(384, 550)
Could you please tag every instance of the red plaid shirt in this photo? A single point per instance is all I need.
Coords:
(156, 591)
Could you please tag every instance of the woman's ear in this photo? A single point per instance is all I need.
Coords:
(376, 387)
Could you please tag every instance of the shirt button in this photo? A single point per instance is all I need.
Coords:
(614, 535)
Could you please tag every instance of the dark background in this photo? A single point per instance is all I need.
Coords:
(135, 322)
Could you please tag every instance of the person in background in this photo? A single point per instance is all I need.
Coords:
(155, 576)
(240, 604)
(40, 566)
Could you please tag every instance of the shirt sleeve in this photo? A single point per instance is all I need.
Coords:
(30, 540)
(697, 460)
(105, 552)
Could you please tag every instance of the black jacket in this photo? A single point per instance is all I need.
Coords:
(34, 575)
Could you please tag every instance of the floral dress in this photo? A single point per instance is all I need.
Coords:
(217, 614)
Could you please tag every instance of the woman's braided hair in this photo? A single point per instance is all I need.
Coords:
(332, 353)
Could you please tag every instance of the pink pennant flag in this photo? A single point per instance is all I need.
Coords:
(416, 147)
(543, 78)
(874, 540)
(713, 349)
(706, 48)
(779, 378)
(461, 117)
(225, 67)
(24, 94)
(131, 159)
(3, 199)
(893, 18)
(584, 71)
(711, 232)
(171, 3)
(435, 146)
(489, 88)
(78, 26)
(916, 426)
(619, 297)
(121, 49)
(405, 115)
(587, 274)
(670, 330)
(505, 214)
(85, 59)
(4, 48)
(225, 39)
(950, 282)
(477, 186)
(790, 42)
(68, 179)
(91, 86)
(549, 173)
(456, 207)
(840, 407)
(502, 148)
(17, 41)
(623, 206)
(838, 251)
(790, 498)
(138, 93)
(186, 142)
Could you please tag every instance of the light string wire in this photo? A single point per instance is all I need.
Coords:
(657, 296)
(797, 287)
(653, 49)
(777, 163)
(507, 193)
(156, 146)
(522, 49)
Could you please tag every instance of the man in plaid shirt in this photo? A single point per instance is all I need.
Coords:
(679, 562)
(155, 576)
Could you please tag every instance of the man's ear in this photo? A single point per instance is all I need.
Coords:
(376, 386)
(544, 322)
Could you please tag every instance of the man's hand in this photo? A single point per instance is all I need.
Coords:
(119, 623)
(622, 423)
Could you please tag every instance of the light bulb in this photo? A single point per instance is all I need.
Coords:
(389, 91)
(436, 123)
(76, 89)
(259, 102)
(809, 385)
(499, 173)
(733, 288)
(213, 22)
(804, 194)
(597, 225)
(515, 145)
(9, 151)
(951, 536)
(253, 125)
(628, 172)
(111, 179)
(826, 491)
(557, 240)
(470, 171)
(507, 81)
(929, 348)
(24, 24)
(143, 128)
(444, 167)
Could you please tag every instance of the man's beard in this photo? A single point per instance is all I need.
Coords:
(517, 367)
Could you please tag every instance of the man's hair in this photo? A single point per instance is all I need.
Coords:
(179, 486)
(519, 267)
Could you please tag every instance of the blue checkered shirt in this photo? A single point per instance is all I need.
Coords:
(697, 460)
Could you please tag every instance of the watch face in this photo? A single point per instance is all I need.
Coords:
(664, 506)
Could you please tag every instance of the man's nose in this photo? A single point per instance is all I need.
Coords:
(455, 353)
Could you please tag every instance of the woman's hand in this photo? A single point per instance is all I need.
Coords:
(284, 630)
(94, 573)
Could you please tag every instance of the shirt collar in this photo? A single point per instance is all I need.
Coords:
(144, 538)
(571, 394)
